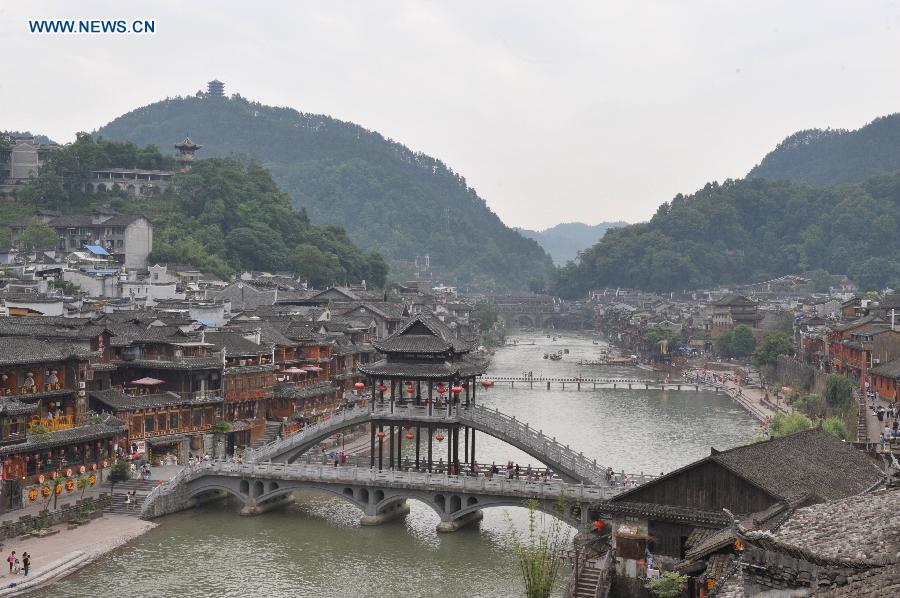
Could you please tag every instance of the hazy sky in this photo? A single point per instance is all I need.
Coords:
(554, 111)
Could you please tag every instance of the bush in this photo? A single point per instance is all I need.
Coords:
(221, 427)
(667, 585)
(835, 426)
(789, 423)
(812, 406)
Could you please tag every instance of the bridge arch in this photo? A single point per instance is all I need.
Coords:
(523, 319)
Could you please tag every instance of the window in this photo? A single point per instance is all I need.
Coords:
(161, 422)
(148, 424)
(173, 420)
(197, 416)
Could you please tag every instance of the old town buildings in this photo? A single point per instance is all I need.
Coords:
(164, 371)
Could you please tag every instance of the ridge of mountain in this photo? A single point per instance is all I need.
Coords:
(389, 198)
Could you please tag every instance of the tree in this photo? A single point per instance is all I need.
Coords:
(486, 315)
(773, 344)
(789, 423)
(838, 393)
(537, 285)
(667, 585)
(724, 343)
(119, 472)
(38, 235)
(742, 343)
(540, 554)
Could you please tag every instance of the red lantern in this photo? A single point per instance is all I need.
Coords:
(381, 388)
(410, 435)
(62, 452)
(487, 383)
(411, 389)
(439, 438)
(599, 525)
(456, 389)
(359, 386)
(441, 389)
(380, 434)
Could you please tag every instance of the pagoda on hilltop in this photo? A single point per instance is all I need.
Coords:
(186, 154)
(215, 88)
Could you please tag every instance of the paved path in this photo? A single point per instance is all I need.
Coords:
(92, 540)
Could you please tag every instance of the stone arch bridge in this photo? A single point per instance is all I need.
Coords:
(380, 495)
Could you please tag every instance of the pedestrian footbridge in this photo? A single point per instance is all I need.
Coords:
(380, 495)
(568, 464)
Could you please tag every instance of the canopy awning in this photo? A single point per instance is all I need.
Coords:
(96, 250)
(312, 368)
(294, 371)
(148, 382)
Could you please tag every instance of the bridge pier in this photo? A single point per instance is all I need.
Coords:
(389, 513)
(448, 525)
(548, 385)
(254, 508)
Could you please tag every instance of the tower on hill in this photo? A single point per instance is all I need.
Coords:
(186, 155)
(215, 88)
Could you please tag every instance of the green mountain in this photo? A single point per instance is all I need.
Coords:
(389, 198)
(835, 156)
(750, 230)
(564, 241)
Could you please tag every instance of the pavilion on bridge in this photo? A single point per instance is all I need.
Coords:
(425, 370)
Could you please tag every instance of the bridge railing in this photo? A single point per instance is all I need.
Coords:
(554, 451)
(402, 479)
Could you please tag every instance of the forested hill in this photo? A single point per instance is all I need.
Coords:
(388, 198)
(835, 156)
(750, 230)
(564, 241)
(223, 216)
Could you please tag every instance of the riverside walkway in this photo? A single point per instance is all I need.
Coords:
(381, 495)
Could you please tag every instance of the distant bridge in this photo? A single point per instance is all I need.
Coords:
(381, 495)
(595, 383)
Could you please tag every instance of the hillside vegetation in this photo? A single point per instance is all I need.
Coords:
(835, 156)
(564, 241)
(389, 198)
(227, 214)
(750, 230)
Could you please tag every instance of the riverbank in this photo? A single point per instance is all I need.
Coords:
(61, 554)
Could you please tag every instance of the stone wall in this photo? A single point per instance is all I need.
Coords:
(793, 373)
(66, 513)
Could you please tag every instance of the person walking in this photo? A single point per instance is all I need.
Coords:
(133, 469)
(11, 559)
(26, 562)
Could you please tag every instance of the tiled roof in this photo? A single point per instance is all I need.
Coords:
(878, 582)
(890, 369)
(235, 344)
(864, 528)
(105, 429)
(663, 512)
(25, 350)
(812, 463)
(437, 370)
(296, 391)
(413, 335)
(119, 401)
(187, 363)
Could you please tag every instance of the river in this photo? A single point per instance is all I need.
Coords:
(317, 547)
